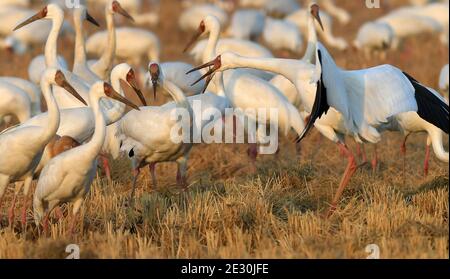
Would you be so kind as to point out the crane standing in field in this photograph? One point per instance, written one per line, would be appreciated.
(22, 147)
(68, 176)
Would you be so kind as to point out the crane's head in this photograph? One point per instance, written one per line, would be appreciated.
(315, 12)
(155, 76)
(56, 77)
(114, 7)
(209, 23)
(214, 66)
(50, 11)
(107, 90)
(82, 13)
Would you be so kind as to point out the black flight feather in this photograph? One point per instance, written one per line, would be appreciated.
(320, 105)
(430, 107)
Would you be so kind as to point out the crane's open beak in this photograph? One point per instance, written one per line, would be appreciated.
(197, 35)
(118, 9)
(315, 11)
(111, 93)
(131, 80)
(91, 19)
(61, 81)
(40, 15)
(214, 66)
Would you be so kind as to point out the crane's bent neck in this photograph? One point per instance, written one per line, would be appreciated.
(211, 46)
(51, 46)
(53, 113)
(176, 94)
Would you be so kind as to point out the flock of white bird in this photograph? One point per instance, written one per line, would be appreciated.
(87, 119)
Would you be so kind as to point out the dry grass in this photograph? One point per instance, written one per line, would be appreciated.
(275, 213)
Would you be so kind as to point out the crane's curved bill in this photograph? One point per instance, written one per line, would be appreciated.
(60, 79)
(154, 71)
(40, 15)
(91, 19)
(214, 66)
(193, 40)
(110, 92)
(315, 11)
(131, 79)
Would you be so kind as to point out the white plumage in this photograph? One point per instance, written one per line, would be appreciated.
(282, 35)
(191, 17)
(246, 24)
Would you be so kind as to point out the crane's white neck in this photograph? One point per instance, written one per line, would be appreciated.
(211, 46)
(220, 85)
(51, 46)
(106, 61)
(94, 146)
(80, 49)
(176, 94)
(53, 113)
(310, 53)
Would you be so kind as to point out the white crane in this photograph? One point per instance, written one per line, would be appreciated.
(246, 91)
(246, 24)
(68, 176)
(300, 19)
(133, 6)
(14, 102)
(102, 67)
(175, 72)
(242, 47)
(22, 147)
(280, 34)
(389, 30)
(146, 148)
(80, 67)
(30, 35)
(191, 17)
(33, 91)
(54, 13)
(145, 44)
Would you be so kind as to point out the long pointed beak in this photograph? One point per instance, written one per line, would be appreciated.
(207, 75)
(319, 20)
(92, 20)
(124, 13)
(155, 85)
(32, 19)
(132, 82)
(193, 40)
(66, 85)
(116, 96)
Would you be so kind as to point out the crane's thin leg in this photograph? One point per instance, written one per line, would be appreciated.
(403, 151)
(133, 191)
(106, 167)
(152, 168)
(426, 164)
(45, 223)
(26, 193)
(11, 211)
(181, 173)
(76, 209)
(349, 172)
(59, 213)
(375, 159)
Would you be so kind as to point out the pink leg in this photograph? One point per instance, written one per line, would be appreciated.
(12, 210)
(181, 180)
(152, 168)
(106, 167)
(403, 151)
(73, 224)
(45, 224)
(375, 159)
(24, 211)
(59, 213)
(426, 164)
(349, 172)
